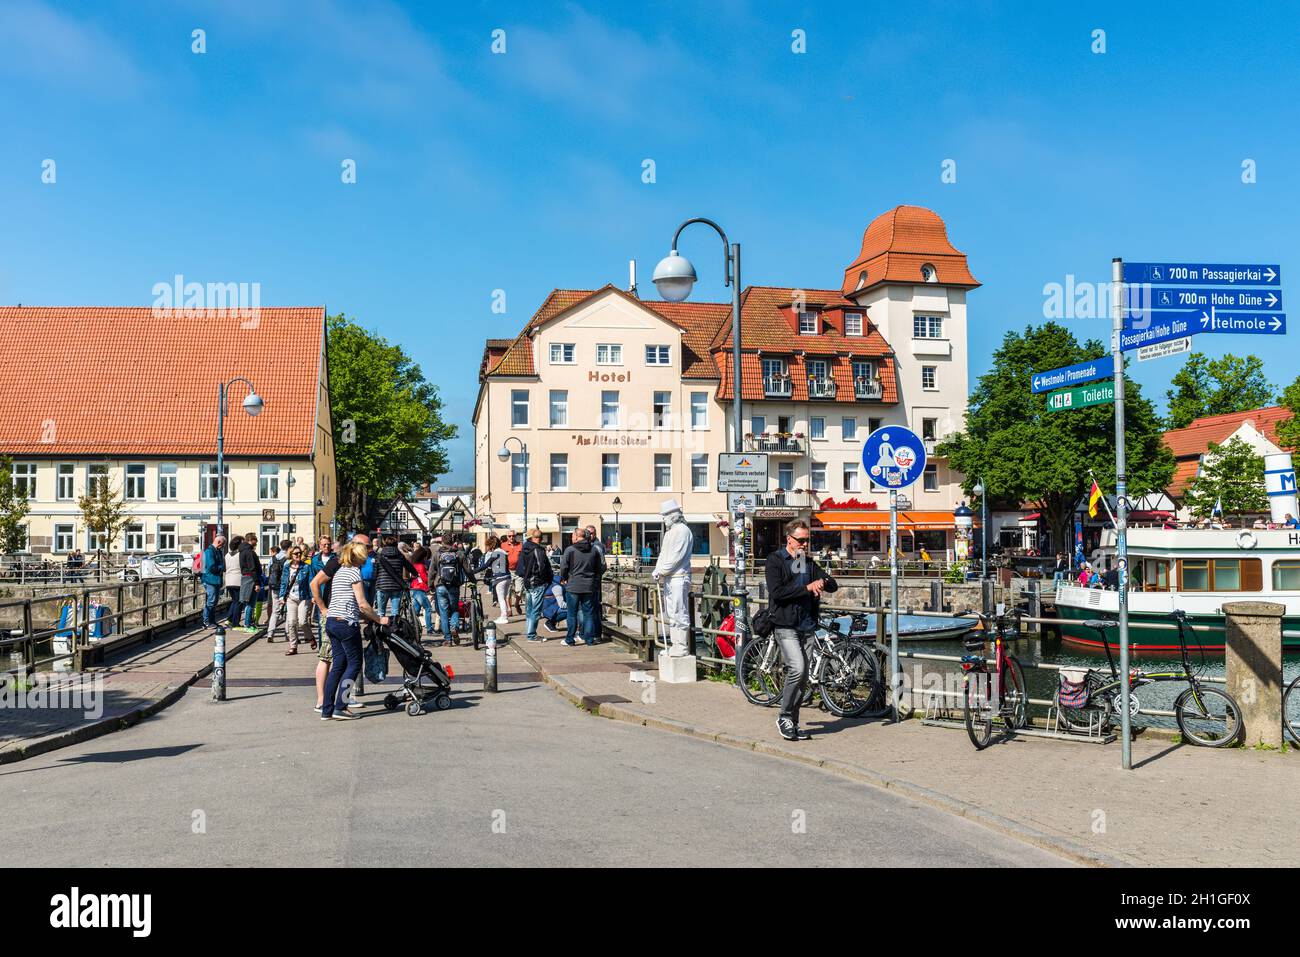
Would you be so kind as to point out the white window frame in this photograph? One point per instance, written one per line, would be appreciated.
(664, 419)
(700, 405)
(816, 430)
(27, 480)
(773, 368)
(171, 544)
(167, 490)
(608, 461)
(65, 470)
(851, 477)
(699, 471)
(270, 477)
(607, 421)
(516, 405)
(758, 423)
(818, 369)
(927, 327)
(809, 316)
(609, 353)
(863, 369)
(662, 461)
(135, 530)
(136, 480)
(95, 542)
(814, 469)
(560, 462)
(658, 355)
(559, 408)
(518, 467)
(853, 317)
(563, 353)
(71, 534)
(106, 475)
(934, 378)
(849, 433)
(785, 468)
(268, 538)
(208, 482)
(931, 472)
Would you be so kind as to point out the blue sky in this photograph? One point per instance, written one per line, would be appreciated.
(523, 171)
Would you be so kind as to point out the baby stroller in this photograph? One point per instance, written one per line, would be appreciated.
(422, 677)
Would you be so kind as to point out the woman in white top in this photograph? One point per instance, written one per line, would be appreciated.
(347, 607)
(497, 563)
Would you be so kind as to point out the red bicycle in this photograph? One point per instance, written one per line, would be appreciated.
(1000, 694)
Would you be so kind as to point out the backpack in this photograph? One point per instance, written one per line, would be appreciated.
(762, 624)
(368, 570)
(277, 569)
(449, 569)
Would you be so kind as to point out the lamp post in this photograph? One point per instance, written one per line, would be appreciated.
(979, 490)
(503, 454)
(618, 526)
(674, 277)
(289, 483)
(253, 406)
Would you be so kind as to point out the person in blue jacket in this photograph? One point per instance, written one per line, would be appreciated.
(295, 592)
(213, 575)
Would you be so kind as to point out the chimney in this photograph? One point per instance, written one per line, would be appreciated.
(631, 276)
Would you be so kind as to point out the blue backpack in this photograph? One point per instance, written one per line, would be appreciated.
(368, 571)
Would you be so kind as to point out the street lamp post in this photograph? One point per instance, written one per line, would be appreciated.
(503, 454)
(980, 490)
(289, 483)
(674, 277)
(618, 526)
(253, 406)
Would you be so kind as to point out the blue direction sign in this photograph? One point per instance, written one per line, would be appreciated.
(1243, 323)
(893, 456)
(1102, 368)
(1158, 327)
(1142, 299)
(1204, 274)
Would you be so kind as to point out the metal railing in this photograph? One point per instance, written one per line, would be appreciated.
(778, 385)
(36, 632)
(864, 388)
(821, 387)
(780, 445)
(53, 572)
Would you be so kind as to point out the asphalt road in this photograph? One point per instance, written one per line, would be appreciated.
(517, 778)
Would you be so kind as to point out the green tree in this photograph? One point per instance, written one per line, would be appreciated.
(1026, 454)
(13, 510)
(389, 433)
(1288, 431)
(1205, 386)
(1231, 473)
(104, 511)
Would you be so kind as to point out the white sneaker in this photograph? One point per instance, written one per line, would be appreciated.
(503, 620)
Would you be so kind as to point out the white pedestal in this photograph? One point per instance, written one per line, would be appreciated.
(677, 671)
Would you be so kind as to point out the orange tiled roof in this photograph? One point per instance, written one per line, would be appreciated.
(697, 320)
(898, 243)
(1193, 440)
(765, 328)
(123, 381)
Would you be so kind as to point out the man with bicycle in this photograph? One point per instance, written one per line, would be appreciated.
(795, 583)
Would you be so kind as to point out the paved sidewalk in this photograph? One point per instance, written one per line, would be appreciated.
(129, 687)
(1181, 806)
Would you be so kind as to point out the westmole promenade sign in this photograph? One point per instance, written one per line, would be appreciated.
(1102, 368)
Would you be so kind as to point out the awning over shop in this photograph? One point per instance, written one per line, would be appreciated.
(878, 519)
(547, 523)
(1029, 521)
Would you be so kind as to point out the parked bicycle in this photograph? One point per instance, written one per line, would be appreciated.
(1000, 694)
(844, 668)
(1207, 716)
(1291, 711)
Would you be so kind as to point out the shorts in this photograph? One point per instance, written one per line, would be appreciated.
(246, 587)
(324, 652)
(516, 584)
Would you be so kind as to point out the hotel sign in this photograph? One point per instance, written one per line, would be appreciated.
(742, 472)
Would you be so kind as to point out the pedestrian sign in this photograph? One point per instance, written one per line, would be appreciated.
(1082, 397)
(893, 456)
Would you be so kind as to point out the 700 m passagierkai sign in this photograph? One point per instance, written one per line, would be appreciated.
(1082, 397)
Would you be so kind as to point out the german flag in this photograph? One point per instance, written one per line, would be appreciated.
(1093, 498)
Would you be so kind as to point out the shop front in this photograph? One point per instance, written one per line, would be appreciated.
(858, 534)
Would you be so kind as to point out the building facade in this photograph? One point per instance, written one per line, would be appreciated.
(128, 397)
(622, 398)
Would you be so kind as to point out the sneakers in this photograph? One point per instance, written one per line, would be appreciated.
(503, 620)
(345, 715)
(317, 709)
(570, 642)
(789, 730)
(549, 627)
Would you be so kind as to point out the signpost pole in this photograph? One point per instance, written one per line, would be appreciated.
(1121, 512)
(894, 682)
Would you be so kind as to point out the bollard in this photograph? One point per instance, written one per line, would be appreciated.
(1035, 604)
(1253, 657)
(873, 594)
(490, 656)
(988, 595)
(936, 595)
(219, 665)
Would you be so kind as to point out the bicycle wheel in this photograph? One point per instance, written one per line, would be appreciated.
(850, 686)
(978, 709)
(1095, 714)
(1291, 712)
(1013, 698)
(475, 622)
(1208, 717)
(761, 686)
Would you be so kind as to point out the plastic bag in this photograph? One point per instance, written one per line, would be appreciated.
(375, 658)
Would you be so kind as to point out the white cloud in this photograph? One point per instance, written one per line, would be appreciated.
(38, 41)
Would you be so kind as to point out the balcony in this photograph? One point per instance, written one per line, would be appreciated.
(864, 388)
(774, 444)
(795, 499)
(778, 386)
(821, 387)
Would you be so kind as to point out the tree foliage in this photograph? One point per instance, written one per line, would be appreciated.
(13, 510)
(1288, 431)
(1205, 386)
(1231, 473)
(387, 418)
(1025, 453)
(104, 511)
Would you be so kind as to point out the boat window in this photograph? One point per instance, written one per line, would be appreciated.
(1286, 576)
(1155, 575)
(1194, 575)
(1227, 575)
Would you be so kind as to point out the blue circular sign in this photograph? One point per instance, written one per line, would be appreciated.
(893, 456)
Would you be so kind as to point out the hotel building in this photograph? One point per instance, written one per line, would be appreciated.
(619, 397)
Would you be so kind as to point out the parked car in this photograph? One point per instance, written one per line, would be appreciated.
(157, 565)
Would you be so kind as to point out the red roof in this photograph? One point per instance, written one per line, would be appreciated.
(898, 243)
(129, 381)
(1192, 441)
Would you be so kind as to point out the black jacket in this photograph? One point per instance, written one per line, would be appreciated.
(580, 568)
(534, 566)
(249, 563)
(785, 596)
(389, 565)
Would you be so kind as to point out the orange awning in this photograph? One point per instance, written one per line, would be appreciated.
(876, 519)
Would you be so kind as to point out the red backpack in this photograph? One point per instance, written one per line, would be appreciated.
(727, 642)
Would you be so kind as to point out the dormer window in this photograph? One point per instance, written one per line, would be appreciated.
(862, 279)
(928, 274)
(808, 324)
(853, 323)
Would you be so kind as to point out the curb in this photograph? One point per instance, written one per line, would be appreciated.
(915, 792)
(97, 729)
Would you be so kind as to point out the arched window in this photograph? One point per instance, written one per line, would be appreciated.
(862, 279)
(928, 274)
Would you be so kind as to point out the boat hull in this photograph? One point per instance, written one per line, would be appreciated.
(1147, 639)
